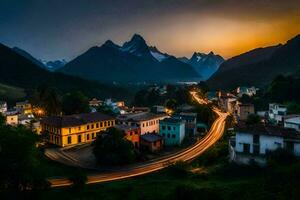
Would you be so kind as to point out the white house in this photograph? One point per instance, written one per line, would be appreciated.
(276, 112)
(3, 107)
(254, 142)
(292, 122)
(148, 122)
(250, 91)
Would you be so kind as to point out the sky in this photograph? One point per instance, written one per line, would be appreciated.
(56, 29)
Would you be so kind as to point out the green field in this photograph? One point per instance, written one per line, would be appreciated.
(11, 93)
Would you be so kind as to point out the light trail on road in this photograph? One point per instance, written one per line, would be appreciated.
(214, 134)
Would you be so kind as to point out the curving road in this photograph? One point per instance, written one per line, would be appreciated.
(188, 154)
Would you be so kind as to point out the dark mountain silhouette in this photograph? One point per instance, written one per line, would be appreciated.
(135, 61)
(259, 66)
(205, 64)
(17, 70)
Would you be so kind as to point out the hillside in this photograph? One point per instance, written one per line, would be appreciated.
(259, 66)
(18, 71)
(135, 61)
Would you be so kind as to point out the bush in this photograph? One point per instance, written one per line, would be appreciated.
(79, 178)
(280, 156)
(112, 148)
(178, 169)
(184, 192)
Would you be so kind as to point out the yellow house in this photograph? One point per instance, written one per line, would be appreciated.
(12, 119)
(24, 107)
(75, 129)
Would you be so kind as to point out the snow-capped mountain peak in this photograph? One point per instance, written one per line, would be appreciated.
(159, 56)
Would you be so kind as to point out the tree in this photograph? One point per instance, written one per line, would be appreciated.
(112, 148)
(253, 119)
(203, 87)
(171, 104)
(2, 120)
(48, 99)
(75, 103)
(20, 166)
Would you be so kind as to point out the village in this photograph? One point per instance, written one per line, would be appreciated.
(159, 130)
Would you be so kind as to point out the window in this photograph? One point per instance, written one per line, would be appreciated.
(97, 125)
(154, 143)
(174, 128)
(88, 127)
(79, 128)
(164, 134)
(112, 123)
(168, 135)
(147, 123)
(92, 126)
(246, 148)
(130, 133)
(69, 130)
(163, 127)
(69, 140)
(101, 124)
(105, 124)
(169, 128)
(79, 138)
(93, 135)
(136, 132)
(255, 139)
(173, 136)
(88, 136)
(143, 124)
(108, 123)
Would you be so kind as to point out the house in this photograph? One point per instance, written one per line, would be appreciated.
(12, 119)
(132, 133)
(25, 119)
(148, 122)
(152, 142)
(95, 102)
(24, 107)
(75, 129)
(276, 112)
(3, 107)
(140, 109)
(158, 109)
(253, 143)
(36, 127)
(249, 91)
(227, 101)
(244, 110)
(292, 121)
(190, 120)
(172, 130)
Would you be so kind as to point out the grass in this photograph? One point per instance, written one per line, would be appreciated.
(11, 93)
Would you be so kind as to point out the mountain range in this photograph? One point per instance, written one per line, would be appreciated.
(48, 65)
(134, 61)
(19, 71)
(204, 64)
(259, 66)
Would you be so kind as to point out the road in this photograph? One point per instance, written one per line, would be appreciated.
(214, 134)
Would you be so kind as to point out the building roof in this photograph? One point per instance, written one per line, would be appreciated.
(75, 120)
(261, 129)
(151, 137)
(143, 116)
(172, 120)
(125, 127)
(246, 105)
(293, 120)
